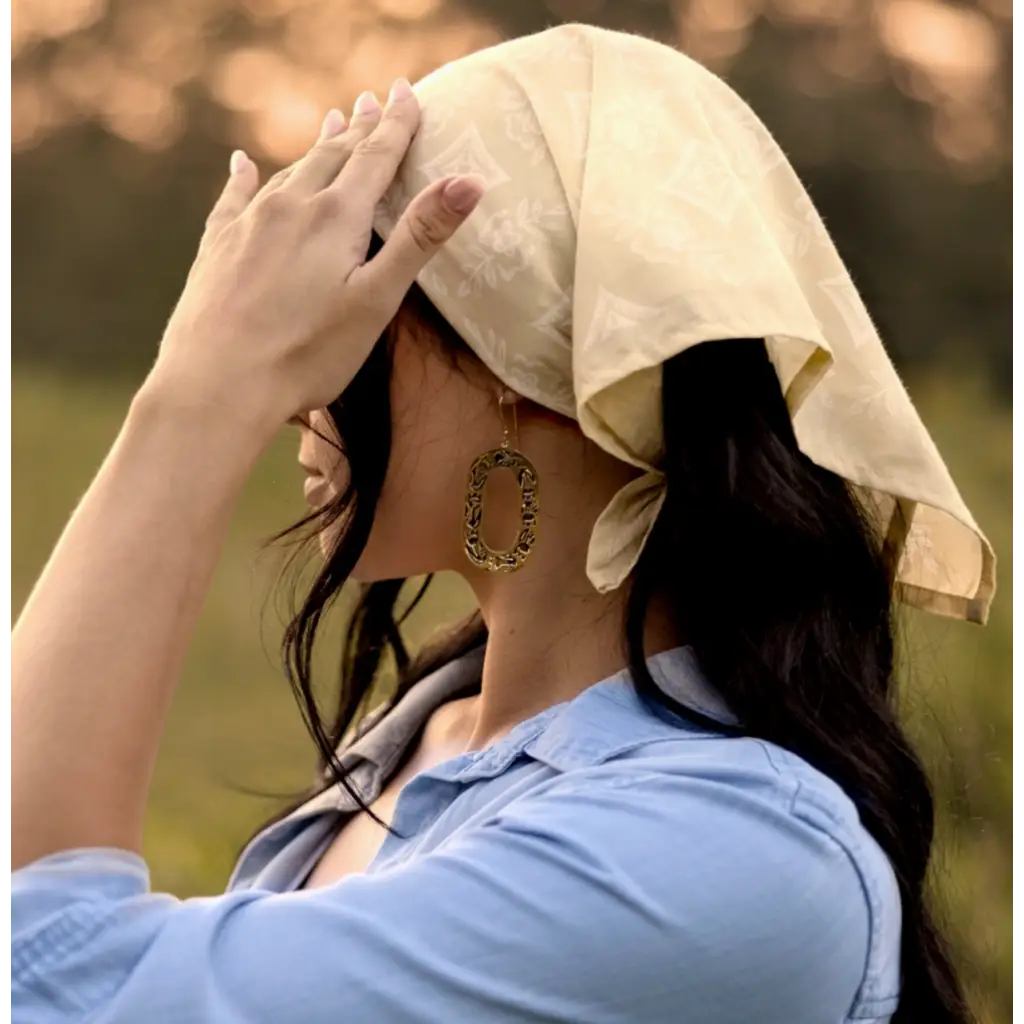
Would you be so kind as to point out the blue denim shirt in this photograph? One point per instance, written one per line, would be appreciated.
(601, 863)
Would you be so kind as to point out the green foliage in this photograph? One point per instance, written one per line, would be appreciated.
(957, 698)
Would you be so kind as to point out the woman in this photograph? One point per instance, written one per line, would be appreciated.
(659, 778)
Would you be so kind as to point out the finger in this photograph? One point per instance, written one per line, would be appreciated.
(334, 123)
(241, 186)
(428, 222)
(276, 180)
(374, 161)
(320, 166)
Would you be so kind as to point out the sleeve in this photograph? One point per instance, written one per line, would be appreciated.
(603, 899)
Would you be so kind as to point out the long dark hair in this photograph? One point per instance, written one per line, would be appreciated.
(777, 582)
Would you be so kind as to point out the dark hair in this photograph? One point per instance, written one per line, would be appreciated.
(777, 582)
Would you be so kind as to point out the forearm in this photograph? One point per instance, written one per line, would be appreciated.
(99, 645)
(282, 304)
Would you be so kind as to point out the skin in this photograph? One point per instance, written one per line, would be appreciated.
(550, 633)
(443, 417)
(278, 313)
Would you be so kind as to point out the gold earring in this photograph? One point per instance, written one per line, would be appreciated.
(505, 457)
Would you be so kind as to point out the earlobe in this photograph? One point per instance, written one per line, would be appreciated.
(506, 396)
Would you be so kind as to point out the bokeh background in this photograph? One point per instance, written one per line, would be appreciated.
(896, 114)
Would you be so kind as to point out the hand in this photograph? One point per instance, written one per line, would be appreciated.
(280, 310)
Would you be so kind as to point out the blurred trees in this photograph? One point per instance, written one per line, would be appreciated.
(896, 114)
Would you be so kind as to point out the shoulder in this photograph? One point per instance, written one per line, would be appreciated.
(722, 803)
(756, 861)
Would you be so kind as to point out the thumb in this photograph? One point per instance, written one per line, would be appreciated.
(427, 223)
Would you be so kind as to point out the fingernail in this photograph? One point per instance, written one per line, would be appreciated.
(366, 103)
(333, 124)
(238, 161)
(400, 90)
(461, 195)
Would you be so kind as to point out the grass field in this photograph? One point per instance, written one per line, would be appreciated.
(235, 730)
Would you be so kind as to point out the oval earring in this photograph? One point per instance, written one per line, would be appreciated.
(506, 457)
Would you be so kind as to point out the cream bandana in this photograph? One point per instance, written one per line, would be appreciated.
(637, 207)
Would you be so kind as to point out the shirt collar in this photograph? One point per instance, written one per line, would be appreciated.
(611, 717)
(606, 719)
(387, 731)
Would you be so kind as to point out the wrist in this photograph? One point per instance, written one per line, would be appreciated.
(220, 435)
(192, 407)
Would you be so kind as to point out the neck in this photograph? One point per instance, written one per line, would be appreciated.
(551, 635)
(542, 652)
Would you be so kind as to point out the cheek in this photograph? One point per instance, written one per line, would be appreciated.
(420, 509)
(436, 426)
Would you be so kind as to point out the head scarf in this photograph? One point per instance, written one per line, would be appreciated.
(636, 207)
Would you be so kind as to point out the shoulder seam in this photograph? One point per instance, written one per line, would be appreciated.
(866, 1003)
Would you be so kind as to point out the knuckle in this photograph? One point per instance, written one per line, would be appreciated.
(278, 179)
(215, 220)
(330, 204)
(275, 206)
(377, 142)
(427, 231)
(342, 143)
(338, 148)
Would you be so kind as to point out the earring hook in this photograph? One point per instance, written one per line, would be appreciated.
(503, 398)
